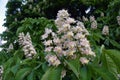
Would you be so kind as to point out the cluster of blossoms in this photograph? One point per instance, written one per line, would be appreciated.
(93, 22)
(69, 39)
(118, 19)
(25, 42)
(1, 72)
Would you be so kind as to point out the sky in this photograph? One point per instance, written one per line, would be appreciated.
(2, 16)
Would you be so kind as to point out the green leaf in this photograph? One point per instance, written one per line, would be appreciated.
(20, 29)
(22, 73)
(14, 69)
(6, 74)
(74, 66)
(115, 44)
(52, 74)
(30, 77)
(115, 56)
(8, 63)
(103, 72)
(83, 73)
(109, 64)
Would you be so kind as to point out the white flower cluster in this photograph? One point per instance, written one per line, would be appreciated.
(93, 22)
(69, 39)
(1, 72)
(25, 42)
(118, 19)
(105, 30)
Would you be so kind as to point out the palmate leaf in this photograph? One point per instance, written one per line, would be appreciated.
(52, 74)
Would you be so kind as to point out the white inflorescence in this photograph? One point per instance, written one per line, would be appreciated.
(69, 38)
(105, 30)
(1, 72)
(93, 22)
(25, 42)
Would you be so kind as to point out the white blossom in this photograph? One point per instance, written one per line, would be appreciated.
(70, 34)
(47, 43)
(48, 31)
(48, 49)
(56, 40)
(70, 20)
(58, 49)
(79, 36)
(44, 36)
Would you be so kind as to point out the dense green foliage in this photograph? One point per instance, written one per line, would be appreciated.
(34, 16)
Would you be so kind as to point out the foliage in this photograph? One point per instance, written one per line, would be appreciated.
(21, 17)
